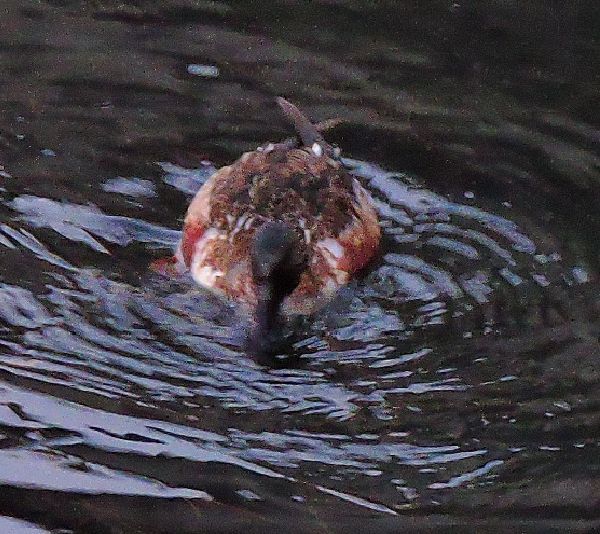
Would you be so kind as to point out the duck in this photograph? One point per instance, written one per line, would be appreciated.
(280, 230)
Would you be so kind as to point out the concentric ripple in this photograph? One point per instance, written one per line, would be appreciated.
(453, 387)
(102, 366)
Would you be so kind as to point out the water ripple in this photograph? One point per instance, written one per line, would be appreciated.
(102, 364)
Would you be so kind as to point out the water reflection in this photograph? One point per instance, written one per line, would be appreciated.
(376, 397)
(454, 385)
(170, 355)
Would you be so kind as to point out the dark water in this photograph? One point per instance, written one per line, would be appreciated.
(456, 387)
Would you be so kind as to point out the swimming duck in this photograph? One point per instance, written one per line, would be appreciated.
(281, 229)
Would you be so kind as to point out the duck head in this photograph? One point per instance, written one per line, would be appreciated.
(278, 258)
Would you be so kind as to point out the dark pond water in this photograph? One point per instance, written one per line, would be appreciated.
(455, 387)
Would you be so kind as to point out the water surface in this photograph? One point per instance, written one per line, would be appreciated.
(456, 385)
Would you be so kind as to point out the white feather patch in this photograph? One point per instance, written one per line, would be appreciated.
(341, 277)
(307, 236)
(207, 276)
(332, 251)
(203, 274)
(317, 150)
(240, 222)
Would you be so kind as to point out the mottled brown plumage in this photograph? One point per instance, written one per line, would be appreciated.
(331, 227)
(288, 185)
